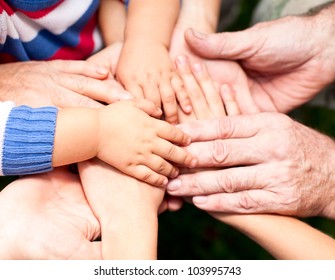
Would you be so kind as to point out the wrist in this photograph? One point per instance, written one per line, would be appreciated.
(76, 136)
(143, 42)
(199, 15)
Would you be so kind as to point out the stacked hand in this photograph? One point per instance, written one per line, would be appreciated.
(47, 217)
(282, 73)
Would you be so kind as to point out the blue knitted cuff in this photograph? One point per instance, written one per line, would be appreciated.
(29, 140)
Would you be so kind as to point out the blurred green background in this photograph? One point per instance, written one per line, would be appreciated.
(193, 234)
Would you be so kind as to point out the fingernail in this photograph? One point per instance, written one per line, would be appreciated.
(102, 70)
(124, 95)
(165, 181)
(159, 111)
(175, 173)
(181, 59)
(197, 67)
(198, 34)
(200, 199)
(173, 185)
(188, 109)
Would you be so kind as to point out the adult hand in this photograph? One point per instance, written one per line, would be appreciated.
(266, 163)
(58, 83)
(221, 71)
(47, 217)
(283, 74)
(108, 57)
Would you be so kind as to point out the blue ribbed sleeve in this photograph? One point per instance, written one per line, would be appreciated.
(28, 140)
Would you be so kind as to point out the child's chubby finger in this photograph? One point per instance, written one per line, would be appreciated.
(148, 107)
(145, 174)
(209, 89)
(227, 95)
(182, 97)
(172, 134)
(191, 86)
(175, 154)
(134, 89)
(169, 102)
(151, 92)
(161, 166)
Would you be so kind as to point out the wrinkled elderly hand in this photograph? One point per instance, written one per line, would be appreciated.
(47, 217)
(57, 83)
(282, 73)
(266, 163)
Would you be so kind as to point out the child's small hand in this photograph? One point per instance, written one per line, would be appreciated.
(147, 72)
(203, 93)
(139, 145)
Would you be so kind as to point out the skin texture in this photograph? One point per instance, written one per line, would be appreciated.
(126, 208)
(109, 134)
(282, 74)
(147, 71)
(46, 216)
(283, 237)
(123, 204)
(58, 83)
(266, 163)
(272, 166)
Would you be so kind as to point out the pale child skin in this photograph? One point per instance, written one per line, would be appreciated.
(109, 134)
(144, 67)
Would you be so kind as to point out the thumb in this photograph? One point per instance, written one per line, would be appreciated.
(226, 45)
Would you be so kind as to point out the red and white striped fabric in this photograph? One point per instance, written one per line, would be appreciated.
(48, 29)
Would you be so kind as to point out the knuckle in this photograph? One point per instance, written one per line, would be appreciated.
(169, 98)
(225, 128)
(163, 167)
(178, 85)
(195, 94)
(81, 84)
(289, 201)
(219, 151)
(245, 201)
(145, 176)
(171, 118)
(174, 132)
(157, 181)
(172, 151)
(225, 183)
(192, 185)
(149, 77)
